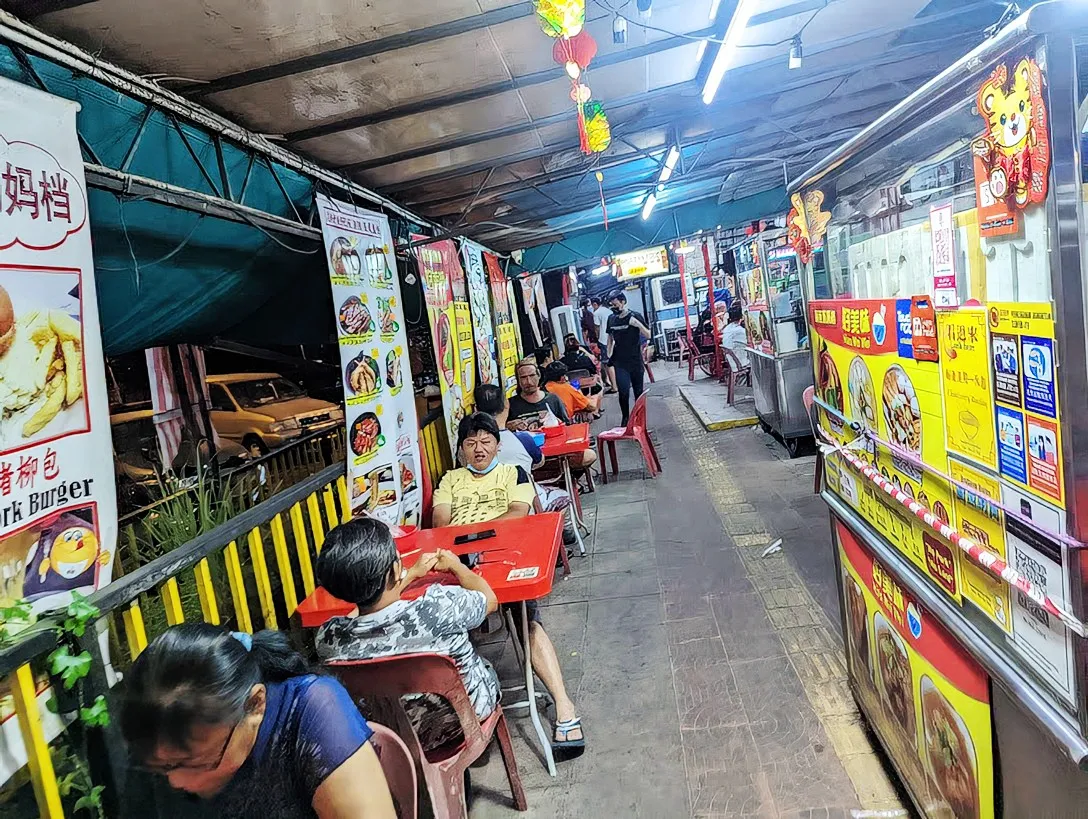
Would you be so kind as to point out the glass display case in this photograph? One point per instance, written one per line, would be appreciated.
(946, 322)
(773, 304)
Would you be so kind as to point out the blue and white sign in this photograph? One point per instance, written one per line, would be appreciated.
(1011, 455)
(904, 334)
(1038, 363)
(914, 621)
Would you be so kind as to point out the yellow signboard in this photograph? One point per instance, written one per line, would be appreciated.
(466, 353)
(648, 262)
(508, 356)
(966, 385)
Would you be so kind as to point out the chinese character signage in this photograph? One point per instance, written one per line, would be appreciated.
(944, 256)
(1026, 392)
(58, 503)
(966, 385)
(506, 330)
(482, 329)
(648, 262)
(978, 516)
(922, 692)
(379, 403)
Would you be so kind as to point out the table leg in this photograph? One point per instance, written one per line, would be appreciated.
(577, 532)
(576, 498)
(530, 690)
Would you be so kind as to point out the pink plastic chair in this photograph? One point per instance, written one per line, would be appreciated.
(636, 430)
(399, 770)
(733, 373)
(809, 397)
(383, 681)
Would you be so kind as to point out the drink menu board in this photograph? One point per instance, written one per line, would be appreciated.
(382, 429)
(58, 504)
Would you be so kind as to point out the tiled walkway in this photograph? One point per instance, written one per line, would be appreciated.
(707, 670)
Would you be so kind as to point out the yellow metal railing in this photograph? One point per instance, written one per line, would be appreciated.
(209, 579)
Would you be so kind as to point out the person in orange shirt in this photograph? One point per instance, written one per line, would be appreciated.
(577, 404)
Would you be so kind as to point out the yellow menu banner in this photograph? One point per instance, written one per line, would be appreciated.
(967, 386)
(508, 356)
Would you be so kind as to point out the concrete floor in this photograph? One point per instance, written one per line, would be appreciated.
(708, 674)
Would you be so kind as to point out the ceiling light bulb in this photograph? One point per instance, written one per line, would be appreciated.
(796, 53)
(661, 186)
(648, 206)
(574, 71)
(619, 30)
(714, 8)
(723, 60)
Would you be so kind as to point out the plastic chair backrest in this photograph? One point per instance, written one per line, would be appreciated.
(399, 769)
(403, 674)
(637, 422)
(731, 359)
(809, 397)
(426, 488)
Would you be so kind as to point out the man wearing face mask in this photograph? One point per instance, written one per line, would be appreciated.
(626, 330)
(488, 490)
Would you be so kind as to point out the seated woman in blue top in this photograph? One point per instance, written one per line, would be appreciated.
(222, 724)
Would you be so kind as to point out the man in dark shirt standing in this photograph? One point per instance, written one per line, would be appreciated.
(626, 330)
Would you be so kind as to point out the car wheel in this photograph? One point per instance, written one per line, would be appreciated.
(255, 445)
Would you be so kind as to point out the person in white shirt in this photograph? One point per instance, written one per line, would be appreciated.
(734, 336)
(600, 316)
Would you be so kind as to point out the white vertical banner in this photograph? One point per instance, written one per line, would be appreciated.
(942, 237)
(58, 502)
(380, 412)
(483, 334)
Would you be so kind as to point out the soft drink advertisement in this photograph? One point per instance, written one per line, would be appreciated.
(1025, 377)
(923, 694)
(382, 431)
(58, 503)
(863, 374)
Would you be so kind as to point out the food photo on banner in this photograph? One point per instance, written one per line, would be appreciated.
(434, 264)
(382, 429)
(483, 333)
(867, 368)
(58, 503)
(506, 330)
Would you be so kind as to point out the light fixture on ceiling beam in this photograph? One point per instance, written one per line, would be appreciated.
(727, 51)
(796, 53)
(670, 164)
(648, 205)
(619, 30)
(714, 8)
(702, 50)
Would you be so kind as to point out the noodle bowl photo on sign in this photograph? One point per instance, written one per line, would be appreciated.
(896, 682)
(949, 753)
(901, 412)
(862, 395)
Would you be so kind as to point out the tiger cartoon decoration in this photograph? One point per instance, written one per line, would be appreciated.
(1016, 147)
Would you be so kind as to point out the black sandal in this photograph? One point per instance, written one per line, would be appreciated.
(568, 748)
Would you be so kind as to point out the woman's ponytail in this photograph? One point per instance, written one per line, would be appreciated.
(276, 658)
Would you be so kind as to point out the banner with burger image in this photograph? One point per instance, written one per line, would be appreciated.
(58, 505)
(871, 371)
(438, 265)
(924, 695)
(382, 432)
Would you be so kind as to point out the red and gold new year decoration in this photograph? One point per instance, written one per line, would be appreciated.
(561, 18)
(1015, 151)
(806, 224)
(574, 53)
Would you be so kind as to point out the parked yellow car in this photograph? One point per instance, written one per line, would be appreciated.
(263, 411)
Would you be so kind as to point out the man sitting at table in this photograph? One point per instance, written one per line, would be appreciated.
(579, 407)
(359, 564)
(532, 405)
(485, 489)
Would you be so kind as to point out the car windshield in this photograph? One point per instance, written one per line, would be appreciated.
(134, 440)
(263, 391)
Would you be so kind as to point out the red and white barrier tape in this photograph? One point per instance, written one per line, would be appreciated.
(983, 557)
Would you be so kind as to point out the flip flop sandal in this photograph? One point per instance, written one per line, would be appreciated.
(568, 748)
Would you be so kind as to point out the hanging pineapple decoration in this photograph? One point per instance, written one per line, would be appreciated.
(597, 135)
(561, 18)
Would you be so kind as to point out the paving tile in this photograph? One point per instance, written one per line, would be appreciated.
(707, 697)
(698, 653)
(747, 632)
(621, 561)
(681, 631)
(723, 772)
(766, 684)
(682, 604)
(572, 589)
(639, 581)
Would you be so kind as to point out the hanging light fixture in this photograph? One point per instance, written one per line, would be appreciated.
(796, 53)
(670, 164)
(648, 206)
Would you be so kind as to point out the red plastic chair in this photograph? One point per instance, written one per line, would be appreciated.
(733, 373)
(399, 770)
(383, 681)
(636, 430)
(694, 357)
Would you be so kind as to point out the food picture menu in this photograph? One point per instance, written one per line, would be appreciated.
(482, 330)
(382, 434)
(58, 504)
(506, 329)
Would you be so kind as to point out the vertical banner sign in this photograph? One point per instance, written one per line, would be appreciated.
(967, 386)
(923, 693)
(505, 329)
(462, 322)
(380, 413)
(482, 329)
(58, 504)
(433, 264)
(1029, 450)
(944, 257)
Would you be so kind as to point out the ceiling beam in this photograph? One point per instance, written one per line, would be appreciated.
(466, 140)
(952, 43)
(792, 10)
(490, 90)
(361, 51)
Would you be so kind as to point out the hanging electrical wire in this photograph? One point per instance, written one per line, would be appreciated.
(145, 265)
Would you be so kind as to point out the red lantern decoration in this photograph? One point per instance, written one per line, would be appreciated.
(575, 53)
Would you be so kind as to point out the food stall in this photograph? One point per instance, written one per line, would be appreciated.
(769, 286)
(946, 319)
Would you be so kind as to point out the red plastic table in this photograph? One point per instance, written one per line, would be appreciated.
(574, 442)
(518, 563)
